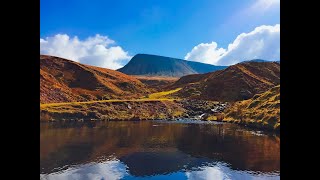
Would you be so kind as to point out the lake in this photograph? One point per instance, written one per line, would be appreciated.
(185, 149)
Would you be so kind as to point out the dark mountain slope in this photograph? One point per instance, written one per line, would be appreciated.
(153, 65)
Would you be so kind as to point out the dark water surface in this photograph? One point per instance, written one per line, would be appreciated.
(156, 150)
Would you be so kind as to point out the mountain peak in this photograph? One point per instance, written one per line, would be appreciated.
(155, 65)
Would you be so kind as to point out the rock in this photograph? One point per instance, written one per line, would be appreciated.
(203, 116)
(186, 116)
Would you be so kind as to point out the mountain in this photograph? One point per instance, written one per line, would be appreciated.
(63, 80)
(237, 82)
(156, 83)
(259, 60)
(261, 110)
(255, 60)
(153, 65)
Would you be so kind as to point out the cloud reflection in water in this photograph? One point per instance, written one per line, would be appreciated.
(109, 170)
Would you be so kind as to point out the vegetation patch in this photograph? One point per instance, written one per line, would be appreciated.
(115, 110)
(261, 111)
(163, 94)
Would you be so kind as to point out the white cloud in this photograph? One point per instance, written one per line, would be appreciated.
(206, 52)
(222, 171)
(95, 50)
(261, 43)
(207, 173)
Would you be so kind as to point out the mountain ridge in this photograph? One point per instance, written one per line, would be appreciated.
(155, 65)
(237, 82)
(259, 60)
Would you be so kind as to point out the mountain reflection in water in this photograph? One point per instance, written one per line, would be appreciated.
(156, 149)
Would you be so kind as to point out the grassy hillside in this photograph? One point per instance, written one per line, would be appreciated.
(62, 80)
(157, 83)
(73, 91)
(237, 82)
(262, 110)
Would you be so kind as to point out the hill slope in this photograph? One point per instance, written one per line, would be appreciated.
(157, 83)
(237, 82)
(262, 110)
(62, 80)
(153, 65)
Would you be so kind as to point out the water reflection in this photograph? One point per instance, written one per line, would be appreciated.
(169, 150)
(112, 169)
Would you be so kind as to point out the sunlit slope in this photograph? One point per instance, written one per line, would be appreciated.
(62, 80)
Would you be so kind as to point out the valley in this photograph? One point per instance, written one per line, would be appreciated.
(78, 92)
(157, 90)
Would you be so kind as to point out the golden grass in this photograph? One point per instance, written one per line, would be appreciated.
(244, 70)
(159, 96)
(140, 109)
(103, 101)
(162, 94)
(154, 106)
(60, 83)
(261, 110)
(217, 117)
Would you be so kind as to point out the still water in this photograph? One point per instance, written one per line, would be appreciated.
(157, 150)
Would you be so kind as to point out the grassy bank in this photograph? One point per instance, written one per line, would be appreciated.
(261, 112)
(112, 110)
(159, 96)
(154, 106)
(43, 106)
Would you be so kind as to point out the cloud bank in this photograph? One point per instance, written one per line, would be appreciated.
(261, 43)
(96, 51)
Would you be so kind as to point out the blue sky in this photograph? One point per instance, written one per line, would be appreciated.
(162, 27)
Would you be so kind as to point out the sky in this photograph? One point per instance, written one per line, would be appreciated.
(109, 33)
